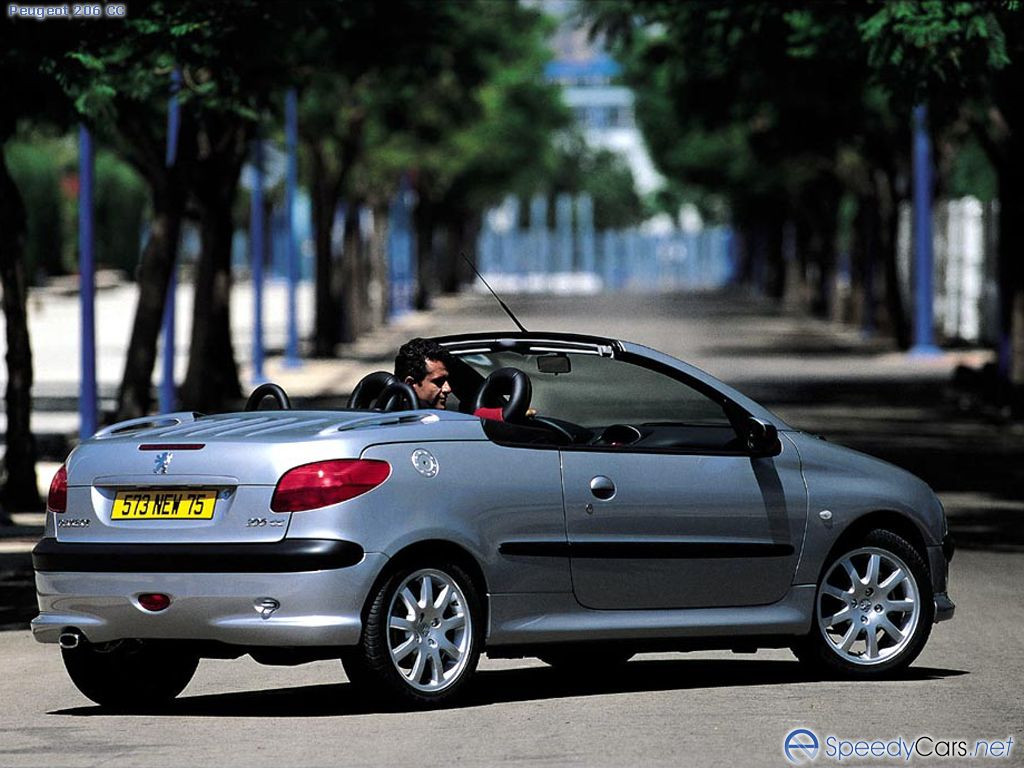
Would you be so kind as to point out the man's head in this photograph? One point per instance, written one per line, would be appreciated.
(423, 365)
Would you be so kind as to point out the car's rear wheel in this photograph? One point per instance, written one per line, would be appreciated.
(873, 610)
(421, 638)
(129, 675)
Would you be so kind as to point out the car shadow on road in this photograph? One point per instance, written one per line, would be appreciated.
(516, 685)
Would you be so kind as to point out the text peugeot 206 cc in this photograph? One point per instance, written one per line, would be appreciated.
(616, 500)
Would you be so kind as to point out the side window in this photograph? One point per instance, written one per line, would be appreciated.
(631, 407)
(601, 391)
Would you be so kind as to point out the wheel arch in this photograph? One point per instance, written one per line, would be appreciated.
(432, 550)
(887, 519)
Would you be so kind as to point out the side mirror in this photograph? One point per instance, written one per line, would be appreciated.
(762, 438)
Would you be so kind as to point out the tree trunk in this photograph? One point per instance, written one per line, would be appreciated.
(155, 268)
(899, 323)
(458, 240)
(212, 378)
(864, 256)
(19, 483)
(426, 272)
(348, 274)
(821, 209)
(380, 273)
(324, 203)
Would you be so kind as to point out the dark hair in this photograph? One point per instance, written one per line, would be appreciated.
(413, 355)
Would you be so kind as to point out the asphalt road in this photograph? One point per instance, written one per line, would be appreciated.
(665, 709)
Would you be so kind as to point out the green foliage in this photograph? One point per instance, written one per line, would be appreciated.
(971, 173)
(934, 49)
(46, 172)
(120, 209)
(740, 101)
(605, 176)
(482, 126)
(37, 174)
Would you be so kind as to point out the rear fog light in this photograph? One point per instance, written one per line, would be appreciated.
(154, 601)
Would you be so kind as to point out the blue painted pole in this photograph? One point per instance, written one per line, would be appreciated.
(256, 254)
(86, 285)
(167, 399)
(291, 132)
(166, 394)
(585, 224)
(924, 344)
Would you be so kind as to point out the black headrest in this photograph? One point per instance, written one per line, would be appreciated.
(503, 383)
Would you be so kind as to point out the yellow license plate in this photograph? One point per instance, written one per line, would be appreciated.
(163, 504)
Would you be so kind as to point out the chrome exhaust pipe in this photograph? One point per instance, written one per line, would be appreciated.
(69, 640)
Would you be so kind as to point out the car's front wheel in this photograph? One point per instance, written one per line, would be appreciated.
(421, 638)
(129, 675)
(873, 609)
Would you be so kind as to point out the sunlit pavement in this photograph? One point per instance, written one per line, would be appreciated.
(715, 709)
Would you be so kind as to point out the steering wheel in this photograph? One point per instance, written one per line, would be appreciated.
(554, 426)
(268, 389)
(396, 396)
(505, 382)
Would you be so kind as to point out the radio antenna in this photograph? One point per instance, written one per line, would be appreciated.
(495, 295)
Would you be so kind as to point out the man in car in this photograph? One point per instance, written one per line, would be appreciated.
(423, 365)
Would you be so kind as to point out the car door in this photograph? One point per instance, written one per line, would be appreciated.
(667, 508)
(678, 530)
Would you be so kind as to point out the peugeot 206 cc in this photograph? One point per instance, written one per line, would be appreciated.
(582, 499)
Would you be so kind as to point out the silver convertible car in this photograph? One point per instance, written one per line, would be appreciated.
(615, 500)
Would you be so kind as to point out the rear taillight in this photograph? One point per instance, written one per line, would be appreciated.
(323, 483)
(57, 498)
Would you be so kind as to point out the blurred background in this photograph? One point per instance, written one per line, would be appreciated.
(196, 197)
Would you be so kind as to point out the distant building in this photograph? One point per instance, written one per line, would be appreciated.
(603, 110)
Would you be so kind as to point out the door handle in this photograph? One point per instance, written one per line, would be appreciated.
(602, 487)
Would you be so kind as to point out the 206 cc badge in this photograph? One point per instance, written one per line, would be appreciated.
(162, 462)
(424, 462)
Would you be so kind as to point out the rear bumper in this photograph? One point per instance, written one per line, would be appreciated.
(316, 607)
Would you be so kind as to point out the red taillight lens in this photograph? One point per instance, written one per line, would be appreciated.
(327, 482)
(57, 498)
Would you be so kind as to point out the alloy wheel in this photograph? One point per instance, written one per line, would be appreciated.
(429, 630)
(868, 606)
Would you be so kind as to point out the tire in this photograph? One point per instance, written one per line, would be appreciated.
(129, 675)
(421, 637)
(873, 610)
(580, 660)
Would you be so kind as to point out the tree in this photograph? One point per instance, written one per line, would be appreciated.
(447, 93)
(234, 60)
(489, 132)
(769, 107)
(968, 58)
(26, 92)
